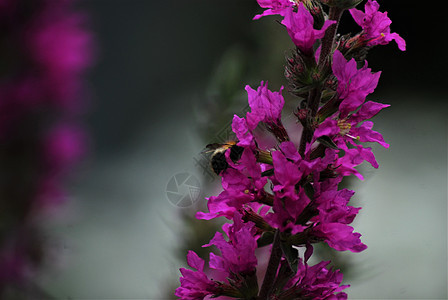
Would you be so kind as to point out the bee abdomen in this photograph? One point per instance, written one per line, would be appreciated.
(219, 162)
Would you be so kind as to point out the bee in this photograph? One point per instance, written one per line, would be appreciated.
(218, 160)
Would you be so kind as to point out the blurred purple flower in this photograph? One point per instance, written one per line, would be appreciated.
(61, 50)
(64, 145)
(48, 50)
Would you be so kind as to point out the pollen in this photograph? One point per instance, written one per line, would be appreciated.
(344, 126)
(246, 191)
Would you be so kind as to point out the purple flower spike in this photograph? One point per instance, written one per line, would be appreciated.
(290, 151)
(376, 26)
(283, 196)
(300, 28)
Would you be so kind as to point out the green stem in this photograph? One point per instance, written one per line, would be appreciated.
(315, 94)
(271, 271)
(308, 130)
(328, 40)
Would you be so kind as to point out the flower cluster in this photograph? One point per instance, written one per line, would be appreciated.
(45, 49)
(286, 196)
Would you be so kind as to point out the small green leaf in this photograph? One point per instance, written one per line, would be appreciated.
(291, 255)
(328, 142)
(309, 190)
(266, 239)
(269, 172)
(298, 239)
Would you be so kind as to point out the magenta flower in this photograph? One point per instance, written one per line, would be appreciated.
(266, 106)
(376, 26)
(353, 157)
(274, 7)
(238, 190)
(243, 132)
(290, 151)
(236, 262)
(300, 28)
(339, 237)
(195, 284)
(285, 212)
(242, 182)
(333, 203)
(286, 175)
(238, 253)
(288, 203)
(289, 200)
(248, 165)
(346, 131)
(353, 85)
(289, 168)
(316, 282)
(241, 186)
(334, 217)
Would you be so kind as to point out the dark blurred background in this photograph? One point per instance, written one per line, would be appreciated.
(162, 65)
(151, 51)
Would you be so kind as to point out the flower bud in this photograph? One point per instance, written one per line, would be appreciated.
(302, 115)
(353, 47)
(301, 73)
(316, 11)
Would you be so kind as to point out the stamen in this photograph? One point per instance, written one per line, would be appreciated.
(344, 126)
(352, 137)
(377, 38)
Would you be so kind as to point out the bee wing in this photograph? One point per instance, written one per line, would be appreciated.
(211, 148)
